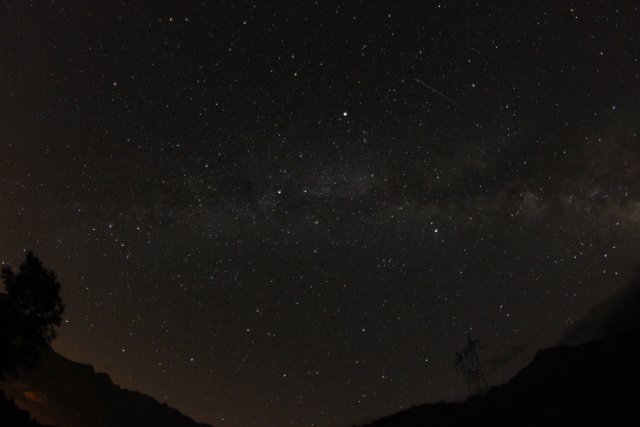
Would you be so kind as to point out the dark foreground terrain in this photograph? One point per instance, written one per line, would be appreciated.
(11, 415)
(63, 393)
(596, 383)
(592, 384)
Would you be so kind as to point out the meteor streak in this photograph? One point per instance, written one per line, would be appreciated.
(438, 92)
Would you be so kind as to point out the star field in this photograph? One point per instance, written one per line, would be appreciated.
(259, 215)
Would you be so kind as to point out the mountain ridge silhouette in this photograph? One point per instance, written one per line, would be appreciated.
(61, 392)
(593, 383)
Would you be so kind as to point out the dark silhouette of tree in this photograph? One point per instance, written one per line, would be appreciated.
(30, 310)
(9, 333)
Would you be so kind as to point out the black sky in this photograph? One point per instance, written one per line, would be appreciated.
(260, 216)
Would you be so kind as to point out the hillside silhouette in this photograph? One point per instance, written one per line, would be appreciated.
(64, 393)
(617, 315)
(11, 415)
(593, 382)
(53, 389)
(590, 379)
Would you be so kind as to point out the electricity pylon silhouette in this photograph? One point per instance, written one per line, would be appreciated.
(468, 362)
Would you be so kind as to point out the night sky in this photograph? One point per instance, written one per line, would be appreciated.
(277, 213)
